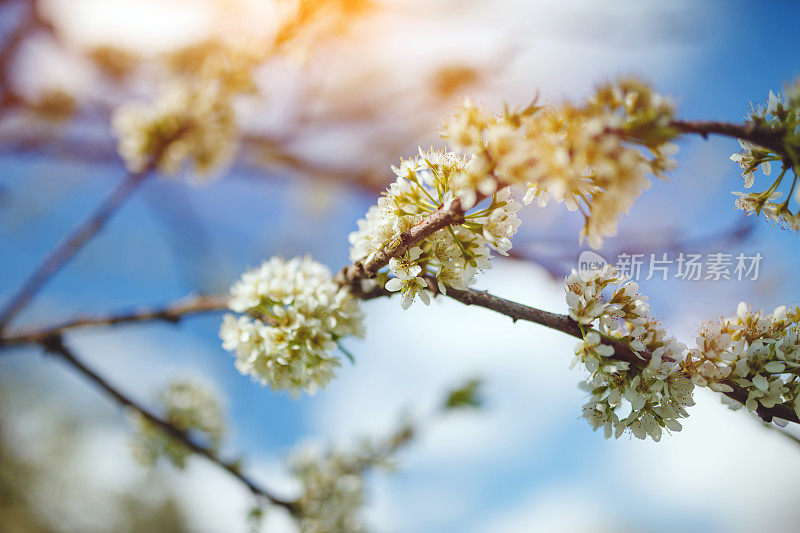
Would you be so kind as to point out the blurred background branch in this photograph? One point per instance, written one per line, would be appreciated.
(56, 346)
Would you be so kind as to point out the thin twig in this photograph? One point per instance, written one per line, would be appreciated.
(91, 226)
(55, 345)
(171, 312)
(69, 246)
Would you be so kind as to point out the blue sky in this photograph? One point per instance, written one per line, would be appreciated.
(527, 462)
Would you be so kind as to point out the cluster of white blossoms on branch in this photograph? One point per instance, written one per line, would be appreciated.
(187, 123)
(293, 316)
(333, 491)
(332, 481)
(594, 157)
(781, 113)
(757, 351)
(188, 405)
(642, 393)
(452, 255)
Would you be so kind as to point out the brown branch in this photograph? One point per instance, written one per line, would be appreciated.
(770, 138)
(450, 213)
(172, 312)
(514, 310)
(56, 346)
(622, 351)
(453, 213)
(65, 250)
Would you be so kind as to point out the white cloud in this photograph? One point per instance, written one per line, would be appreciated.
(724, 464)
(568, 508)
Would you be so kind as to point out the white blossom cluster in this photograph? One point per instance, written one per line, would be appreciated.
(755, 350)
(651, 387)
(292, 316)
(189, 406)
(333, 491)
(782, 113)
(453, 255)
(187, 123)
(332, 481)
(594, 157)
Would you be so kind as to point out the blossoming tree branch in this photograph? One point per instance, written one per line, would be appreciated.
(436, 226)
(431, 234)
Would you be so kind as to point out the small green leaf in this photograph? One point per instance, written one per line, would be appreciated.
(466, 396)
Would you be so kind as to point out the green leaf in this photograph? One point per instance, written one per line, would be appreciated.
(466, 396)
